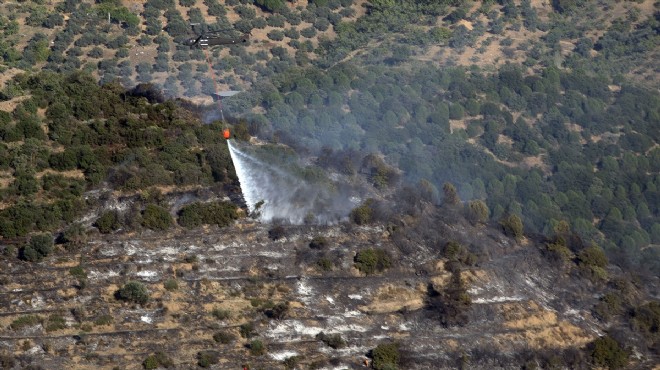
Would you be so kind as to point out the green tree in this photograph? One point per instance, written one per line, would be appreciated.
(512, 226)
(477, 211)
(451, 195)
(40, 246)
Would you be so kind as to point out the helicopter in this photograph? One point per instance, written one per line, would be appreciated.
(213, 38)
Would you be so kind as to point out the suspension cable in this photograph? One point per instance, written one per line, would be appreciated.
(215, 85)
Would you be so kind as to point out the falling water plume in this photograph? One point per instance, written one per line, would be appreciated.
(282, 191)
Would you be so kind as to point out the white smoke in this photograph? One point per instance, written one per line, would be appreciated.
(285, 196)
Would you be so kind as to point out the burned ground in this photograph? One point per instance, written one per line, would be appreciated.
(228, 279)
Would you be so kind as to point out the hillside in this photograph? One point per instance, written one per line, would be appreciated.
(500, 158)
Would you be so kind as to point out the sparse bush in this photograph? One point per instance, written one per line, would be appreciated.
(363, 214)
(371, 261)
(158, 359)
(55, 322)
(223, 337)
(247, 330)
(455, 252)
(78, 272)
(257, 347)
(290, 363)
(134, 292)
(325, 264)
(332, 340)
(278, 311)
(221, 314)
(610, 304)
(103, 320)
(646, 319)
(171, 285)
(207, 358)
(6, 361)
(25, 321)
(385, 356)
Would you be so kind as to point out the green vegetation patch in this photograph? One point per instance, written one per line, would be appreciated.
(25, 321)
(155, 217)
(219, 213)
(385, 356)
(134, 292)
(371, 261)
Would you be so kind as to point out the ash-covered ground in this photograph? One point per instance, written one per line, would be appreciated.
(235, 277)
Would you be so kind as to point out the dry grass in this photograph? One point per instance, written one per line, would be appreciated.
(540, 328)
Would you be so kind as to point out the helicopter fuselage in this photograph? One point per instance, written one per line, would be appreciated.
(205, 41)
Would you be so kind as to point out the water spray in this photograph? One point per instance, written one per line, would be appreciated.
(275, 192)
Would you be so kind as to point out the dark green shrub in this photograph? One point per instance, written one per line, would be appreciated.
(221, 314)
(385, 356)
(371, 260)
(512, 226)
(607, 352)
(451, 195)
(257, 347)
(158, 359)
(55, 322)
(134, 292)
(593, 261)
(646, 319)
(156, 218)
(363, 214)
(332, 340)
(247, 330)
(108, 222)
(171, 285)
(78, 272)
(40, 246)
(216, 213)
(207, 358)
(477, 211)
(103, 320)
(276, 35)
(291, 363)
(278, 311)
(325, 264)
